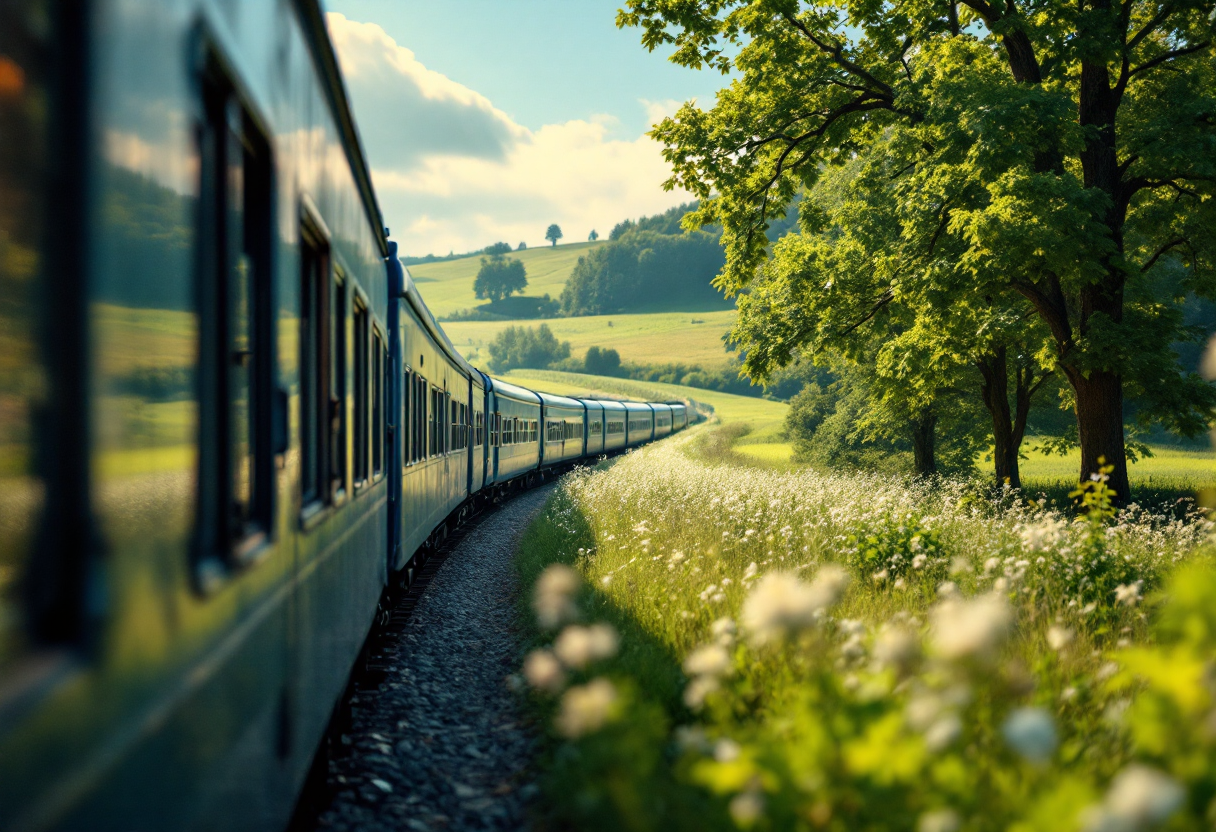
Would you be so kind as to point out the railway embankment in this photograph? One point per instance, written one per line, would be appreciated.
(433, 737)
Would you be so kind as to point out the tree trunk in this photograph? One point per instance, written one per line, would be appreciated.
(922, 431)
(994, 390)
(1099, 409)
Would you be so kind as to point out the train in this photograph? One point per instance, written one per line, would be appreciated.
(228, 421)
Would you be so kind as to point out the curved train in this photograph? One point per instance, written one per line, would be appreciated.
(227, 419)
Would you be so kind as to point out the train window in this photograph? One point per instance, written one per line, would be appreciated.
(420, 392)
(495, 425)
(362, 349)
(337, 389)
(314, 438)
(479, 418)
(236, 462)
(377, 428)
(407, 426)
(449, 416)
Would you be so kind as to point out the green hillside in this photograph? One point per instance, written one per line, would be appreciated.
(658, 338)
(447, 287)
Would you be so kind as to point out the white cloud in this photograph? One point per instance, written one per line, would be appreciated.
(656, 111)
(455, 173)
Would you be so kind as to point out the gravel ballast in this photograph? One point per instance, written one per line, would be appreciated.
(443, 744)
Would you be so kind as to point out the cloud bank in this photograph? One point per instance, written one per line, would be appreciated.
(454, 173)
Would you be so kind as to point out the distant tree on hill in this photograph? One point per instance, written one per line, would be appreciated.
(498, 248)
(593, 236)
(553, 233)
(521, 246)
(535, 349)
(499, 277)
(602, 362)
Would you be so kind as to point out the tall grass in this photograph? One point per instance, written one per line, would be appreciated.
(800, 650)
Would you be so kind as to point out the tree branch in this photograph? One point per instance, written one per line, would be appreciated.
(1171, 244)
(1169, 56)
(886, 298)
(836, 52)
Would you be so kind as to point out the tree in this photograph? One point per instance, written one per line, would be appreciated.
(499, 277)
(498, 248)
(1062, 150)
(535, 349)
(593, 236)
(553, 233)
(602, 362)
(521, 247)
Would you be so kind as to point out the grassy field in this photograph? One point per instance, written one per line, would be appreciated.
(658, 338)
(447, 287)
(765, 417)
(720, 647)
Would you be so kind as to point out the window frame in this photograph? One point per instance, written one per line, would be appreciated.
(361, 468)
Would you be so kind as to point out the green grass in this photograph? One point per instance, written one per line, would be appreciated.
(764, 417)
(447, 287)
(867, 700)
(692, 338)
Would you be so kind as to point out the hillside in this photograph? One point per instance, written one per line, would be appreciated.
(447, 287)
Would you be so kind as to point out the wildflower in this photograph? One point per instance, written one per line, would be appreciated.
(944, 732)
(780, 604)
(692, 738)
(939, 820)
(746, 808)
(960, 565)
(723, 631)
(544, 672)
(896, 648)
(708, 660)
(578, 646)
(606, 580)
(991, 564)
(751, 571)
(1043, 535)
(948, 589)
(1058, 637)
(727, 750)
(553, 600)
(699, 688)
(1031, 733)
(1128, 594)
(970, 628)
(1139, 796)
(919, 561)
(586, 708)
(881, 575)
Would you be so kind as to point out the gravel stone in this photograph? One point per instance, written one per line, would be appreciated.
(444, 744)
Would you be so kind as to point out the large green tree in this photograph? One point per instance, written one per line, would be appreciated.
(1065, 151)
(499, 277)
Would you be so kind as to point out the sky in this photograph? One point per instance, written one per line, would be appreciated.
(487, 120)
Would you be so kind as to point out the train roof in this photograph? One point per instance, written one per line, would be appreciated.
(317, 35)
(636, 406)
(560, 401)
(611, 404)
(507, 389)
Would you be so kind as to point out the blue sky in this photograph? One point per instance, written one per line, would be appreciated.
(489, 119)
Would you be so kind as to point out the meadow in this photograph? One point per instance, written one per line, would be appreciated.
(447, 287)
(726, 646)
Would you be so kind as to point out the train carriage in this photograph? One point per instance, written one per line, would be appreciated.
(565, 427)
(640, 423)
(515, 415)
(616, 426)
(662, 419)
(594, 441)
(679, 416)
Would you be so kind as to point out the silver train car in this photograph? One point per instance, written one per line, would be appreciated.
(228, 422)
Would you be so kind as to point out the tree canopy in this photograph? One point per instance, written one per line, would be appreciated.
(499, 277)
(553, 233)
(593, 236)
(534, 349)
(1050, 161)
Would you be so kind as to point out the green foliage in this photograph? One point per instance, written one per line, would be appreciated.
(982, 174)
(498, 248)
(593, 236)
(669, 222)
(500, 277)
(553, 233)
(645, 269)
(518, 346)
(601, 362)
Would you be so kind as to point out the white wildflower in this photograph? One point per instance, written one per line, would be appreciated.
(750, 571)
(1128, 594)
(881, 575)
(696, 691)
(727, 750)
(1138, 797)
(919, 561)
(544, 672)
(746, 808)
(606, 580)
(1059, 637)
(553, 600)
(948, 589)
(970, 628)
(781, 605)
(708, 660)
(944, 732)
(1031, 732)
(991, 564)
(1045, 534)
(578, 646)
(723, 631)
(896, 648)
(586, 708)
(960, 565)
(939, 820)
(691, 738)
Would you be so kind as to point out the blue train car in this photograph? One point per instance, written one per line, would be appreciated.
(515, 419)
(616, 426)
(594, 440)
(640, 426)
(565, 422)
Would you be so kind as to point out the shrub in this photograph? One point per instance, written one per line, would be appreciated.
(519, 347)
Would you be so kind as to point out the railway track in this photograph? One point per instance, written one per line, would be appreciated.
(428, 735)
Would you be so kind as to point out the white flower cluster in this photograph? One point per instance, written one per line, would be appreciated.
(1138, 798)
(709, 664)
(781, 605)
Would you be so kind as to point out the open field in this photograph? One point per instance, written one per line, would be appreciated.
(447, 287)
(764, 416)
(722, 647)
(657, 338)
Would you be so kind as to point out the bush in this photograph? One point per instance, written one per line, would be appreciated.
(522, 347)
(498, 248)
(602, 362)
